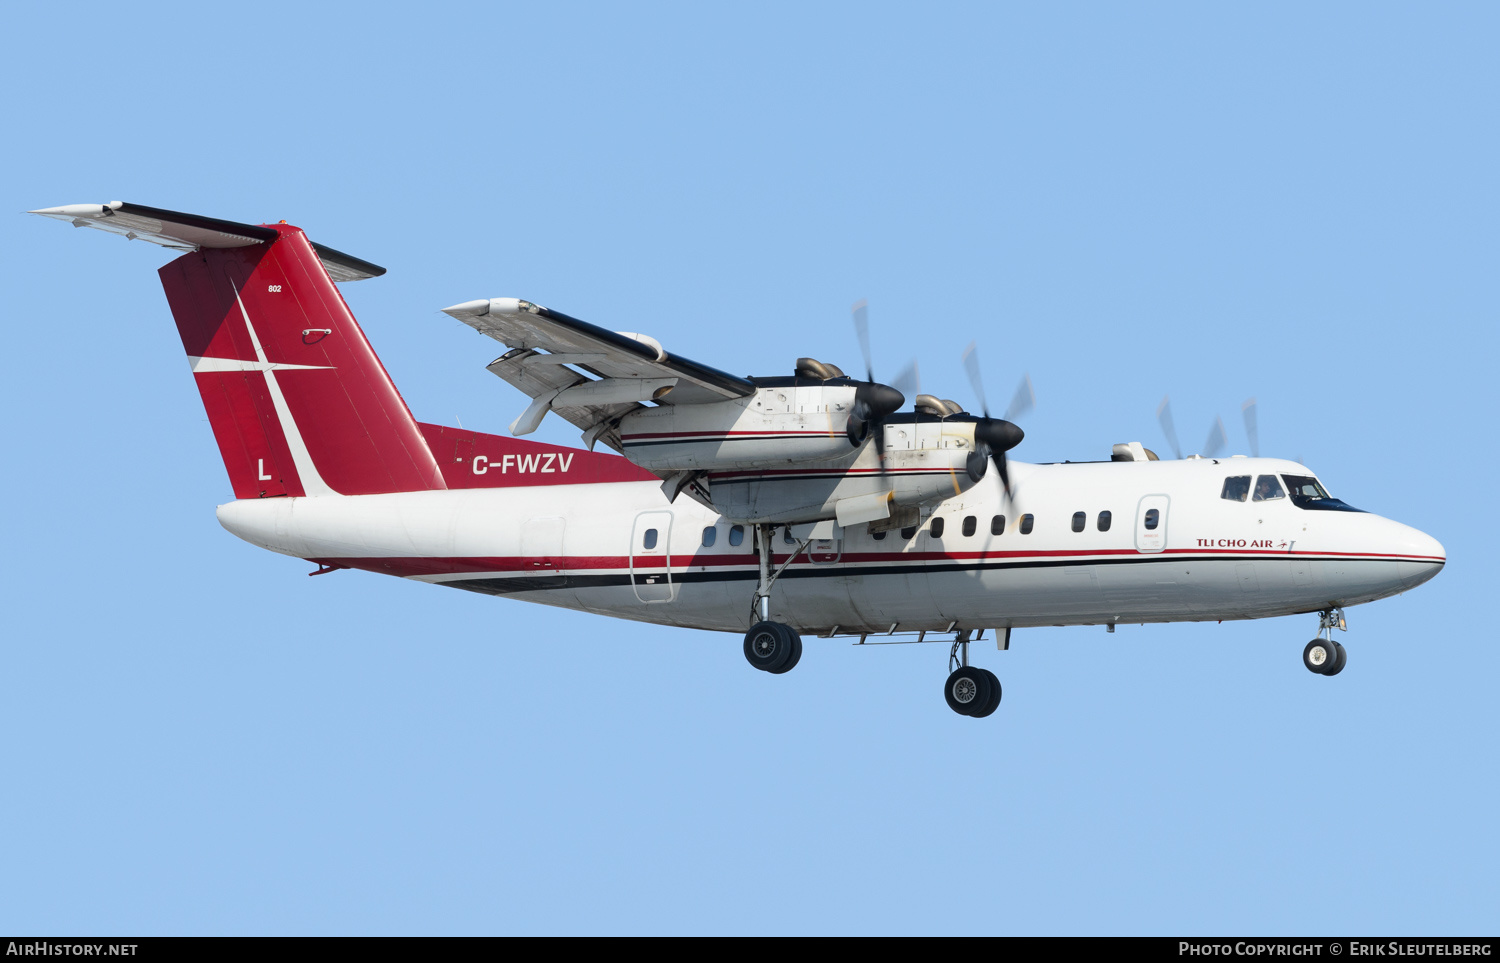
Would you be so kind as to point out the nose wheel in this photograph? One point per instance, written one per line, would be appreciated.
(1323, 656)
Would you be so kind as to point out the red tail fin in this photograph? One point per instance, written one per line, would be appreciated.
(298, 401)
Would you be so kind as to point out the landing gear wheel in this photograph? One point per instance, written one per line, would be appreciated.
(968, 690)
(1343, 657)
(795, 652)
(994, 702)
(1320, 656)
(772, 647)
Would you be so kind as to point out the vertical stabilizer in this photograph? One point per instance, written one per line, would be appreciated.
(298, 401)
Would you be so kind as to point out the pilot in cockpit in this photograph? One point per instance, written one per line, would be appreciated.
(1267, 487)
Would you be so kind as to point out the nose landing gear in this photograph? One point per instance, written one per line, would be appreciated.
(970, 690)
(1323, 656)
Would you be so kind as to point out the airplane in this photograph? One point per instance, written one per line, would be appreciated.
(800, 504)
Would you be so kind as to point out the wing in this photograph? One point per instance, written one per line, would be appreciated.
(630, 368)
(605, 353)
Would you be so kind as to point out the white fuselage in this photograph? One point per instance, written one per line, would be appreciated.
(591, 547)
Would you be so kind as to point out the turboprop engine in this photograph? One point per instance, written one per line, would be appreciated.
(927, 458)
(787, 421)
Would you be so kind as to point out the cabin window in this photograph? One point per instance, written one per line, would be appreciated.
(737, 535)
(878, 536)
(710, 535)
(971, 525)
(1026, 522)
(1236, 488)
(1267, 487)
(650, 540)
(997, 525)
(786, 536)
(1080, 519)
(909, 533)
(937, 528)
(1153, 519)
(1104, 519)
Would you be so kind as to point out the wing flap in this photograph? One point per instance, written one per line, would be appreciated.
(537, 380)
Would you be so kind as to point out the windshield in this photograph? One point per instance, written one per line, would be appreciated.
(1304, 486)
(1267, 488)
(1308, 493)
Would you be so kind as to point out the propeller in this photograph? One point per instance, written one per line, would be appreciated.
(993, 437)
(1164, 415)
(1251, 429)
(1024, 400)
(1216, 439)
(874, 402)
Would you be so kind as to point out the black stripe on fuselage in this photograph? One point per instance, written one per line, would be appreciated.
(509, 585)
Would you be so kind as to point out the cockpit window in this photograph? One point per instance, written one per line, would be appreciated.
(1267, 488)
(1307, 493)
(1304, 486)
(1236, 488)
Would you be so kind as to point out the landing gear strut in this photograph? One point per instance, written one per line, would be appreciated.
(970, 690)
(1323, 656)
(771, 646)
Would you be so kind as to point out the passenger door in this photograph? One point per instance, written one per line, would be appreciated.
(1151, 524)
(651, 557)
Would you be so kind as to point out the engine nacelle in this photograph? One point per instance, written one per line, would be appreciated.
(776, 426)
(927, 461)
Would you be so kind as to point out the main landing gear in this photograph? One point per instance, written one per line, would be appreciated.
(1324, 656)
(771, 646)
(970, 690)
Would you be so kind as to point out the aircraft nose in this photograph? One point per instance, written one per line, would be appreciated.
(1422, 557)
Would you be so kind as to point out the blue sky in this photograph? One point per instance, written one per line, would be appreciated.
(1291, 202)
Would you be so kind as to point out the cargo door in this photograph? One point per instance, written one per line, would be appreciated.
(542, 551)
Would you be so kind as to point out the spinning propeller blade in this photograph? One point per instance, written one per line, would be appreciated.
(909, 381)
(1216, 439)
(993, 437)
(874, 402)
(1024, 400)
(862, 330)
(1164, 415)
(971, 365)
(1251, 429)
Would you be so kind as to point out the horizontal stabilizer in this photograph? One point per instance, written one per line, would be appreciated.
(190, 232)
